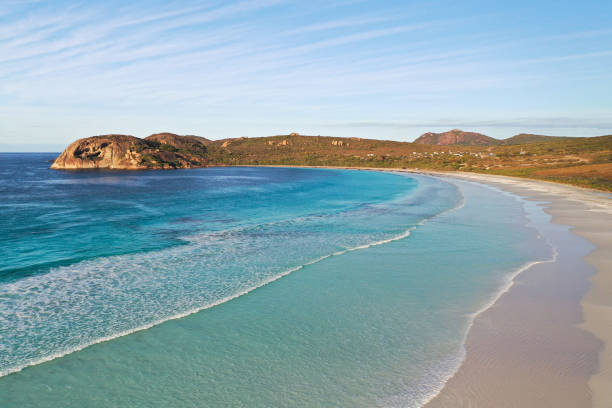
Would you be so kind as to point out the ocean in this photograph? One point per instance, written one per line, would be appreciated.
(244, 286)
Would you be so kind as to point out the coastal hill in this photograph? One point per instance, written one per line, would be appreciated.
(461, 138)
(162, 150)
(585, 161)
(524, 138)
(456, 137)
(190, 142)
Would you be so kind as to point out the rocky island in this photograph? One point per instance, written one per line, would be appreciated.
(124, 152)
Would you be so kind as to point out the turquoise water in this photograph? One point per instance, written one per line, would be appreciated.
(252, 287)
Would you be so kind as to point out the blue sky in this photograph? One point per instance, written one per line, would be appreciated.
(380, 69)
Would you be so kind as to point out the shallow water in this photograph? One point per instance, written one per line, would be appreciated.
(381, 275)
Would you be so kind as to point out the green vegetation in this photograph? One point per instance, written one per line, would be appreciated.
(525, 138)
(167, 148)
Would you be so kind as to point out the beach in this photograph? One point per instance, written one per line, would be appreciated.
(546, 341)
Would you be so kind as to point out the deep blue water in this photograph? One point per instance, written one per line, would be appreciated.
(292, 287)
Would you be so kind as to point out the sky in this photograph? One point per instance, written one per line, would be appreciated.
(377, 69)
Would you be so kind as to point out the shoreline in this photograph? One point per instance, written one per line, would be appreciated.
(531, 348)
(588, 214)
(443, 173)
(569, 329)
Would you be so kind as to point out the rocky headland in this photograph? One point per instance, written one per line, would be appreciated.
(124, 152)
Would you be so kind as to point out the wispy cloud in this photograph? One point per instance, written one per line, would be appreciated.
(577, 35)
(343, 23)
(571, 57)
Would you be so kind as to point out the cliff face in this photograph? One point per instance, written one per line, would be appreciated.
(161, 151)
(456, 137)
(98, 152)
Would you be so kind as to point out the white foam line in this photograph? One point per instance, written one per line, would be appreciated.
(156, 322)
(507, 285)
(210, 305)
(505, 288)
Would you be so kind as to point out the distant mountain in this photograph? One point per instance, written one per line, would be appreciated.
(457, 137)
